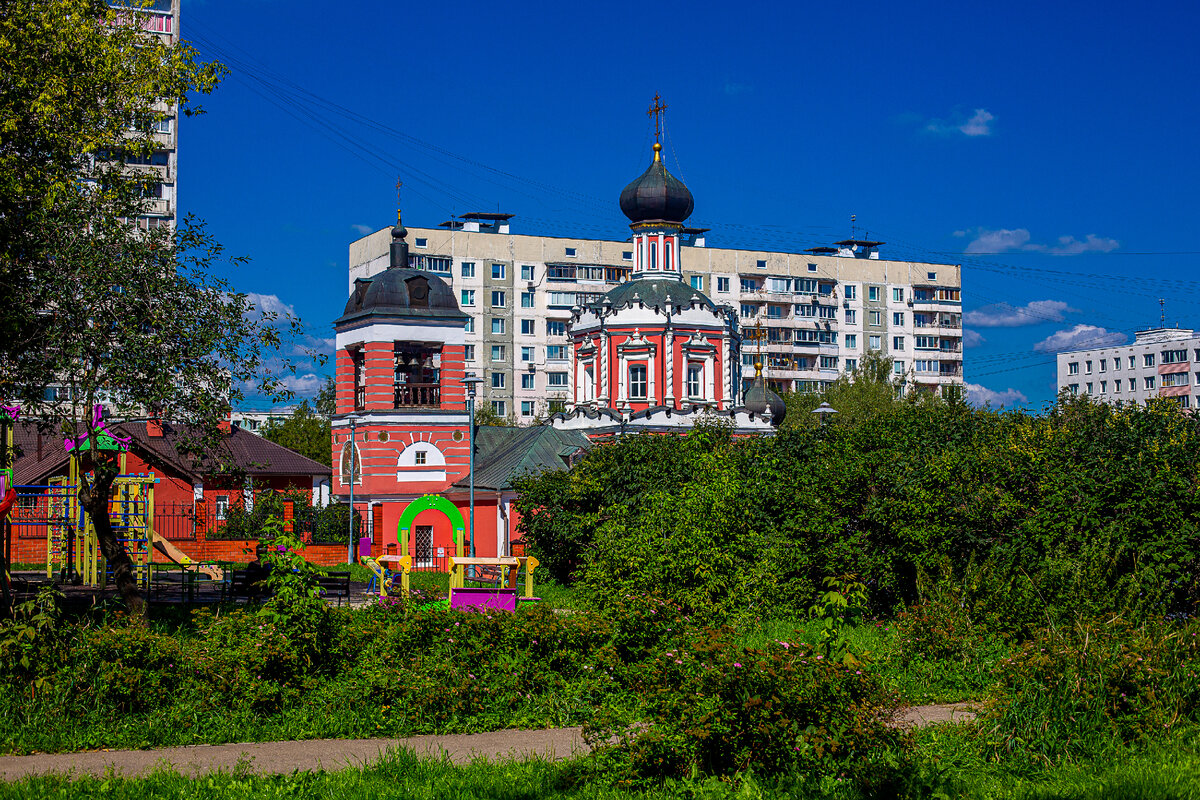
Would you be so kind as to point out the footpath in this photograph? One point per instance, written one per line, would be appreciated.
(275, 758)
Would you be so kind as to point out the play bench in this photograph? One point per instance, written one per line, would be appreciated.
(335, 584)
(502, 571)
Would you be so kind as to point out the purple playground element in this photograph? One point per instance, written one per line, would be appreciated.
(497, 599)
(364, 547)
(12, 412)
(98, 427)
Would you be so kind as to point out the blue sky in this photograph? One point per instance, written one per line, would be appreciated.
(1048, 148)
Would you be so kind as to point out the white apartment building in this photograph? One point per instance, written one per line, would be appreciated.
(817, 312)
(1161, 362)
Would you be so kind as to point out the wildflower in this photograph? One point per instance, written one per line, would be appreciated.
(737, 663)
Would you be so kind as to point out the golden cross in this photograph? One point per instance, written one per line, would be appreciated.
(656, 111)
(399, 183)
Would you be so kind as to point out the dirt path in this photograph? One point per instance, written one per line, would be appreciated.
(272, 758)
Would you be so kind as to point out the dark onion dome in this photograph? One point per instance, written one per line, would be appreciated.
(400, 292)
(657, 195)
(764, 403)
(654, 293)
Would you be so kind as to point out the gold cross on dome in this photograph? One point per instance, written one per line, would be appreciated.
(656, 111)
(399, 183)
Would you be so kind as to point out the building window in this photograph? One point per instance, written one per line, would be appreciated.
(1132, 363)
(1177, 379)
(1074, 387)
(695, 379)
(497, 352)
(812, 267)
(526, 381)
(874, 342)
(1073, 368)
(1117, 385)
(419, 457)
(749, 310)
(1174, 356)
(497, 380)
(851, 364)
(898, 318)
(498, 408)
(627, 255)
(875, 317)
(851, 315)
(497, 325)
(570, 252)
(527, 327)
(1104, 365)
(762, 264)
(1149, 381)
(469, 352)
(222, 506)
(697, 282)
(468, 269)
(556, 352)
(722, 285)
(527, 354)
(526, 299)
(897, 342)
(829, 362)
(852, 341)
(774, 312)
(637, 382)
(851, 291)
(556, 327)
(897, 295)
(527, 272)
(498, 272)
(873, 293)
(1103, 387)
(898, 367)
(468, 297)
(931, 276)
(422, 242)
(1148, 359)
(1087, 367)
(498, 299)
(557, 380)
(526, 408)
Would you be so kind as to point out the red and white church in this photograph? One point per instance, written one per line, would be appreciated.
(653, 355)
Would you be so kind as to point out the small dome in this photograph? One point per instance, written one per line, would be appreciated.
(657, 195)
(763, 402)
(404, 293)
(655, 293)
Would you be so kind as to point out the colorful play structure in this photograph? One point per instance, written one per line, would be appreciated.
(72, 546)
(503, 572)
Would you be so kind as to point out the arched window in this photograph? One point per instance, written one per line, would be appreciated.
(421, 461)
(653, 256)
(350, 463)
(667, 255)
(695, 381)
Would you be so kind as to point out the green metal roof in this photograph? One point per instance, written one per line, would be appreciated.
(502, 454)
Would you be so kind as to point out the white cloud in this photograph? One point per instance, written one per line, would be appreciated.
(983, 396)
(1003, 315)
(1079, 337)
(270, 303)
(306, 385)
(972, 338)
(362, 229)
(313, 344)
(1002, 240)
(980, 123)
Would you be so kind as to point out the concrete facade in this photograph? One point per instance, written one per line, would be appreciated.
(819, 312)
(1161, 362)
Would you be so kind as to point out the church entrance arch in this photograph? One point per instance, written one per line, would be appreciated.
(404, 529)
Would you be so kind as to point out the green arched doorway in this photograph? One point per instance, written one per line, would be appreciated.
(404, 528)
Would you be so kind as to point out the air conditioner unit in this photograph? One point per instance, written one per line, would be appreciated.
(530, 286)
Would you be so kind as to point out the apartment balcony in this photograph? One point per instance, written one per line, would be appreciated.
(949, 370)
(950, 347)
(159, 206)
(160, 172)
(776, 322)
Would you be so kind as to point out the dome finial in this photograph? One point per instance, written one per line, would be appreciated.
(657, 151)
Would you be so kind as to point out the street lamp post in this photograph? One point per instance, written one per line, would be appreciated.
(353, 462)
(471, 382)
(824, 410)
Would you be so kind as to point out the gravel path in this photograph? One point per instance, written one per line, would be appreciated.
(273, 758)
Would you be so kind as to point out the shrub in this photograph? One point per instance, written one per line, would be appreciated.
(715, 708)
(1080, 691)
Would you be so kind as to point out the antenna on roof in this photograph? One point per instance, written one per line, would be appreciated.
(1162, 316)
(853, 229)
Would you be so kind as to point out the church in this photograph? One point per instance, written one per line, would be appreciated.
(651, 355)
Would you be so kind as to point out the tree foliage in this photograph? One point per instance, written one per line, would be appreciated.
(305, 432)
(1088, 507)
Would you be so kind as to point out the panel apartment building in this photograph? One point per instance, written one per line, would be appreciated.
(815, 313)
(1161, 362)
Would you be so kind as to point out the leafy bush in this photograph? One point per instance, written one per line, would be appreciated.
(714, 708)
(1076, 692)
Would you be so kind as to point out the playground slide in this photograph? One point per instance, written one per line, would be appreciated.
(179, 557)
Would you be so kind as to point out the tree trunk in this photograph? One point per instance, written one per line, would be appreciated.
(95, 502)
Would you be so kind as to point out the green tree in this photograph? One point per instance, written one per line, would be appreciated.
(305, 432)
(326, 404)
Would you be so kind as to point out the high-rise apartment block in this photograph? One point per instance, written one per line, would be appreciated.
(812, 314)
(161, 18)
(1161, 362)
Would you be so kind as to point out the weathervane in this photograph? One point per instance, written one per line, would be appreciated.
(656, 111)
